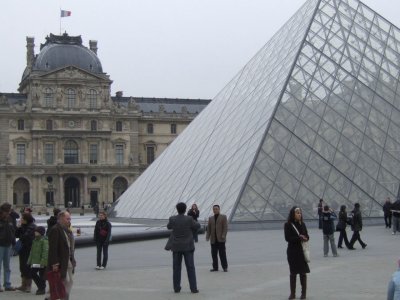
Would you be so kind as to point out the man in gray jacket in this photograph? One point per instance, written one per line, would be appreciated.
(182, 245)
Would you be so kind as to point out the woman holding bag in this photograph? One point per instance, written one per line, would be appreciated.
(295, 234)
(102, 236)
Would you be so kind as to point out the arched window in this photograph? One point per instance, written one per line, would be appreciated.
(71, 152)
(93, 125)
(118, 126)
(48, 97)
(71, 98)
(92, 95)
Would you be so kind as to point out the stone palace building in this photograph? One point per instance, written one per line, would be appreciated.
(65, 141)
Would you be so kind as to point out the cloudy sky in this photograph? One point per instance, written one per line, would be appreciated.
(155, 48)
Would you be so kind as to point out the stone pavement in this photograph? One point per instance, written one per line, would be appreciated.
(258, 269)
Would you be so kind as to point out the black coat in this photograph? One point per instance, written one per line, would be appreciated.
(194, 214)
(328, 226)
(102, 231)
(295, 255)
(26, 234)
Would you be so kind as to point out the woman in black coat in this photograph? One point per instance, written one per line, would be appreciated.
(341, 226)
(102, 236)
(194, 213)
(26, 234)
(295, 233)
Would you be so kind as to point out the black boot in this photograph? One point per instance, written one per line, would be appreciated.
(292, 286)
(303, 282)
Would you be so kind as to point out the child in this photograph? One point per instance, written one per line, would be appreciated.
(38, 259)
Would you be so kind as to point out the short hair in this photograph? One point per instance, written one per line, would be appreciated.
(343, 208)
(181, 207)
(216, 205)
(326, 207)
(56, 211)
(357, 205)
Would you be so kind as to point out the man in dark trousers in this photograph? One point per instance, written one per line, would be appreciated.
(61, 248)
(182, 245)
(217, 229)
(356, 226)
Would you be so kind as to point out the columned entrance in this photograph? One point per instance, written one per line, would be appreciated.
(72, 192)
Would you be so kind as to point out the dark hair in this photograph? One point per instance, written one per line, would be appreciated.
(216, 205)
(5, 207)
(357, 205)
(28, 218)
(343, 208)
(326, 207)
(320, 200)
(181, 208)
(56, 211)
(292, 213)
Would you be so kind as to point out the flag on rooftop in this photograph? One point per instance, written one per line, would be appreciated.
(65, 13)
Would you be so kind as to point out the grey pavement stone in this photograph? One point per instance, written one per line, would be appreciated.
(258, 269)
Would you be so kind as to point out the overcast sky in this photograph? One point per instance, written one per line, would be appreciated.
(155, 48)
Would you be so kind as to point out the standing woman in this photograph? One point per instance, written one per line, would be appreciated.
(295, 233)
(194, 213)
(341, 226)
(26, 234)
(102, 235)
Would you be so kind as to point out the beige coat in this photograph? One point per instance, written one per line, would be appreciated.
(221, 226)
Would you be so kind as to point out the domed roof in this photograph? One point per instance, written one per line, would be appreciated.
(65, 50)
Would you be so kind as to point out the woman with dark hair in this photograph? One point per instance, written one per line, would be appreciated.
(102, 235)
(295, 233)
(341, 227)
(194, 213)
(26, 234)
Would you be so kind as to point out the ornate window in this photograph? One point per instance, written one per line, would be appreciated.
(48, 153)
(93, 125)
(48, 97)
(92, 95)
(119, 154)
(21, 124)
(49, 124)
(173, 128)
(71, 152)
(71, 98)
(20, 154)
(150, 128)
(150, 153)
(118, 126)
(93, 154)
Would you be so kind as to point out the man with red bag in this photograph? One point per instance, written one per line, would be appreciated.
(61, 260)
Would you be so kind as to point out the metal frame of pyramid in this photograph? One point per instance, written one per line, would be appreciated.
(314, 114)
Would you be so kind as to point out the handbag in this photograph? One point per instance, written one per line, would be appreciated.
(305, 246)
(17, 247)
(56, 285)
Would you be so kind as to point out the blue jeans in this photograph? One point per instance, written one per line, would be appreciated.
(190, 269)
(5, 254)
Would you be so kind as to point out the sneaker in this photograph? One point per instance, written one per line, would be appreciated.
(101, 268)
(10, 289)
(98, 268)
(194, 291)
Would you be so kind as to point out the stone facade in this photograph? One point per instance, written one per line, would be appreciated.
(65, 141)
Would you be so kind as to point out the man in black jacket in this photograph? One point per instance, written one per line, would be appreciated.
(356, 226)
(328, 229)
(182, 246)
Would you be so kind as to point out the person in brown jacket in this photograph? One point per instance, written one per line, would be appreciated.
(216, 233)
(61, 248)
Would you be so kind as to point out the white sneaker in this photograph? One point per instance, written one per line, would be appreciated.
(393, 233)
(101, 268)
(98, 268)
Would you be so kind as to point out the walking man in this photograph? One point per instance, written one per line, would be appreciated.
(387, 214)
(182, 245)
(356, 226)
(216, 233)
(61, 251)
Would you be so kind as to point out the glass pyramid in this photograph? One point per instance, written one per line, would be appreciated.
(314, 114)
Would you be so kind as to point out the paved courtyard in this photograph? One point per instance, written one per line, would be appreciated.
(257, 270)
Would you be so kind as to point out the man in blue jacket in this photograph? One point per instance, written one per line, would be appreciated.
(182, 246)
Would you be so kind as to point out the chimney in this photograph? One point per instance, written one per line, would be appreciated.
(119, 94)
(93, 46)
(30, 51)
